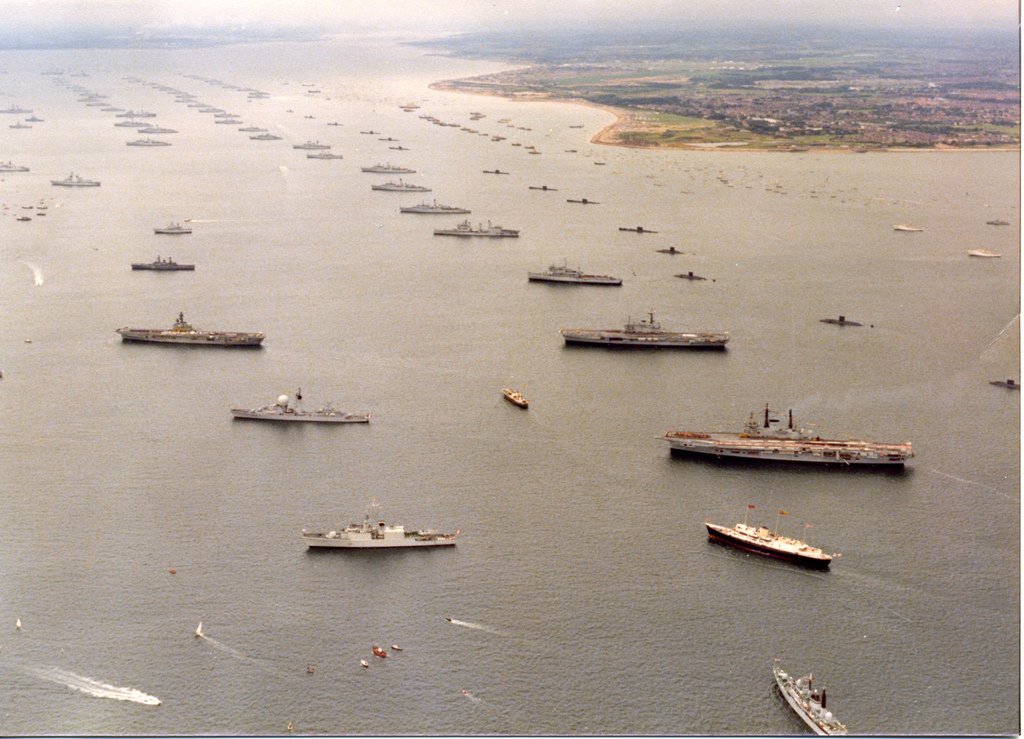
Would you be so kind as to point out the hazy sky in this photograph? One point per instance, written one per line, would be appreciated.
(430, 15)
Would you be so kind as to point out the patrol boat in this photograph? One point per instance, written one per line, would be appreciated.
(809, 704)
(567, 275)
(647, 334)
(183, 332)
(285, 410)
(388, 169)
(769, 442)
(465, 229)
(761, 540)
(73, 180)
(163, 265)
(400, 187)
(434, 207)
(375, 533)
(173, 228)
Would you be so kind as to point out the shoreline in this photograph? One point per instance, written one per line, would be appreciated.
(608, 135)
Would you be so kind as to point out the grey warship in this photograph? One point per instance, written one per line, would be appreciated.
(163, 265)
(809, 704)
(645, 334)
(433, 207)
(183, 332)
(292, 412)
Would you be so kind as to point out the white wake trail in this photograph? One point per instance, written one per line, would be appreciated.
(93, 687)
(471, 625)
(37, 272)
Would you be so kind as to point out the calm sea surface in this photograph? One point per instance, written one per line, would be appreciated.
(585, 595)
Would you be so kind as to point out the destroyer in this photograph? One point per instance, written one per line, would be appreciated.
(163, 265)
(809, 704)
(646, 333)
(288, 412)
(375, 533)
(769, 442)
(73, 180)
(465, 229)
(567, 275)
(400, 186)
(173, 228)
(434, 207)
(388, 169)
(761, 540)
(183, 333)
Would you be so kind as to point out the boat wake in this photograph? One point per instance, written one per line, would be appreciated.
(222, 647)
(470, 696)
(93, 687)
(471, 625)
(37, 272)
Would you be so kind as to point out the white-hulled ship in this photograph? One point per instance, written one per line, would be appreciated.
(183, 332)
(375, 533)
(288, 412)
(434, 207)
(466, 229)
(645, 334)
(73, 180)
(769, 442)
(567, 275)
(808, 703)
(388, 169)
(400, 186)
(762, 540)
(173, 228)
(163, 265)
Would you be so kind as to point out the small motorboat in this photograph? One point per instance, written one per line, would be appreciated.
(378, 652)
(364, 663)
(199, 630)
(515, 397)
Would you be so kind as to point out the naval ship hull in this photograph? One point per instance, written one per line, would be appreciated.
(786, 451)
(257, 415)
(199, 338)
(585, 280)
(410, 539)
(721, 535)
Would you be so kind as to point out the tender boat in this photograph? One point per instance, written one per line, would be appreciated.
(286, 411)
(761, 540)
(808, 703)
(375, 533)
(515, 397)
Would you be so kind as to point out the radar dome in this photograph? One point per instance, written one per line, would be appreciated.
(282, 400)
(828, 715)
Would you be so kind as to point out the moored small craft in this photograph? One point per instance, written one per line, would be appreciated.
(646, 333)
(515, 397)
(762, 540)
(183, 332)
(983, 253)
(808, 703)
(375, 533)
(770, 442)
(163, 265)
(466, 229)
(563, 274)
(287, 411)
(173, 228)
(73, 180)
(907, 227)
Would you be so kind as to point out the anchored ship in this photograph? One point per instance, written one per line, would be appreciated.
(808, 703)
(400, 186)
(769, 442)
(646, 333)
(265, 137)
(465, 229)
(375, 533)
(73, 180)
(762, 540)
(183, 332)
(324, 155)
(566, 275)
(288, 412)
(433, 208)
(173, 228)
(311, 145)
(10, 166)
(163, 265)
(148, 142)
(388, 169)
